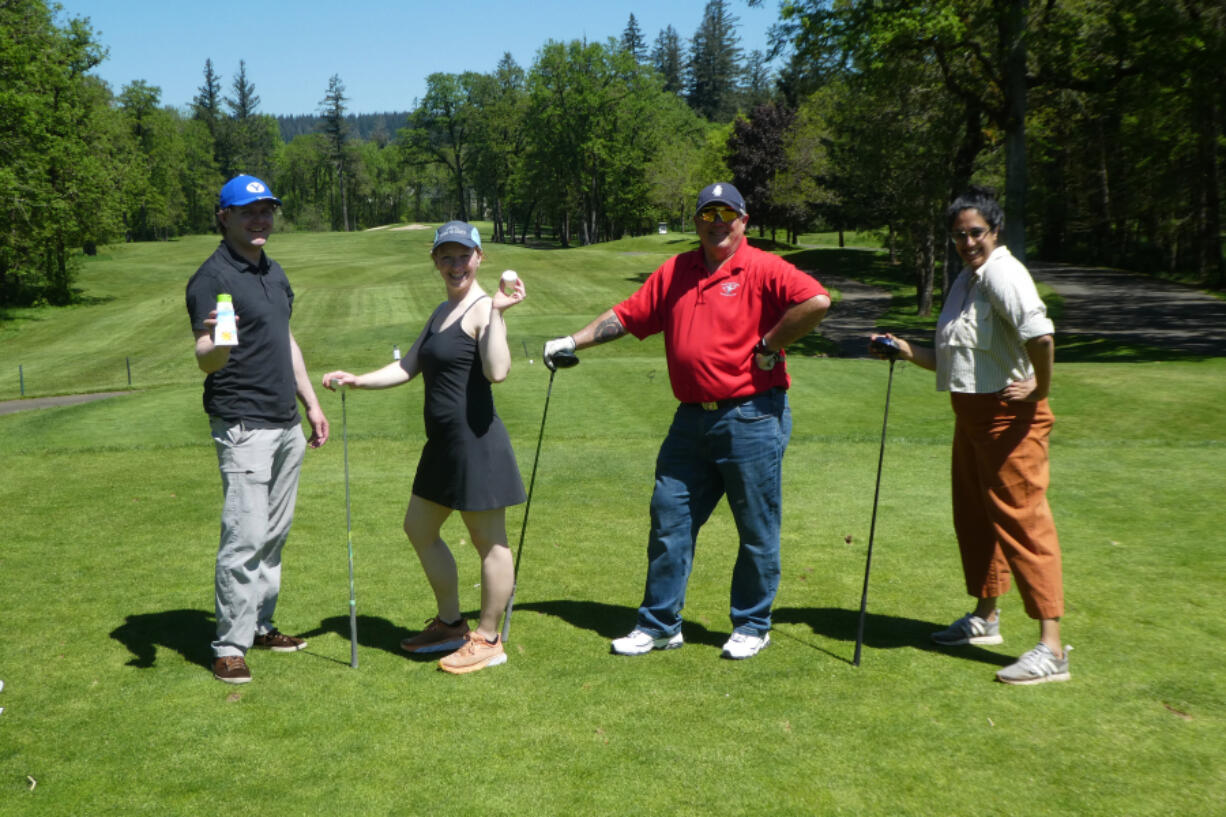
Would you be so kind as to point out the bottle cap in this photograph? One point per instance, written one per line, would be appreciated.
(224, 297)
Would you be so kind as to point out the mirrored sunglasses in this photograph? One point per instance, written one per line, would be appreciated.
(725, 215)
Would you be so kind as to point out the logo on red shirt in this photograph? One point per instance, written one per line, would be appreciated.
(729, 288)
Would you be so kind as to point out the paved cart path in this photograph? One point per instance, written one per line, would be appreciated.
(1127, 307)
(854, 317)
(11, 406)
(1113, 304)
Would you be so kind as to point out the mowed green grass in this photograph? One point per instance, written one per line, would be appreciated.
(111, 513)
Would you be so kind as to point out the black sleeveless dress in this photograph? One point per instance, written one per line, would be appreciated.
(467, 463)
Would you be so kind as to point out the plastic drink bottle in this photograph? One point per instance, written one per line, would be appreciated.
(225, 333)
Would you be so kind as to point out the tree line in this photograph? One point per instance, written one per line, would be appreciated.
(1101, 123)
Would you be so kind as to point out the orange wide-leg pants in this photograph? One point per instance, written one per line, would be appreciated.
(1001, 516)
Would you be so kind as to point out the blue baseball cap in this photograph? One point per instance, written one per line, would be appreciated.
(460, 232)
(720, 193)
(244, 190)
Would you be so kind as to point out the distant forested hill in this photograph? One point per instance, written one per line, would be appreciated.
(378, 127)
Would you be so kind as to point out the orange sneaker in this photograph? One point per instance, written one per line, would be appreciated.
(476, 654)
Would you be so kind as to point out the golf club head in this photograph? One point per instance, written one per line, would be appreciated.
(565, 360)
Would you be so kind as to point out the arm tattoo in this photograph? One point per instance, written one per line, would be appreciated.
(609, 329)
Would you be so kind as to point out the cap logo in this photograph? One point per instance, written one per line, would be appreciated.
(255, 187)
(719, 190)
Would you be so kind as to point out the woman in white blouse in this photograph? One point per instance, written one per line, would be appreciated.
(994, 353)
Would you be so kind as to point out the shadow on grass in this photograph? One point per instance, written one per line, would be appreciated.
(880, 633)
(1075, 348)
(191, 632)
(867, 266)
(373, 632)
(188, 632)
(611, 621)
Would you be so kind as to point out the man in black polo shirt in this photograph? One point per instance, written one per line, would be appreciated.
(249, 395)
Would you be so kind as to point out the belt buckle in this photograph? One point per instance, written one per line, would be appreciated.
(710, 405)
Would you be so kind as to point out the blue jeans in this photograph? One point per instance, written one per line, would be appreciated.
(736, 451)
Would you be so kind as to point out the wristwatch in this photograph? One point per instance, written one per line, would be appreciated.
(769, 358)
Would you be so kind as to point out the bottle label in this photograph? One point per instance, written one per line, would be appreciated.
(225, 333)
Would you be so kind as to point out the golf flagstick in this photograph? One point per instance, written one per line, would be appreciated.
(353, 604)
(560, 361)
(868, 562)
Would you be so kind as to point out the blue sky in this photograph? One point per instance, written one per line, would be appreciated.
(383, 50)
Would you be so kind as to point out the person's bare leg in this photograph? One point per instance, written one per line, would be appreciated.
(489, 534)
(422, 522)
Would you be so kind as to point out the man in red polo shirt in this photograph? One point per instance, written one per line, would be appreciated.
(727, 310)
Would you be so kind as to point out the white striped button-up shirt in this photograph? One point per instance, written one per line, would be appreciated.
(987, 318)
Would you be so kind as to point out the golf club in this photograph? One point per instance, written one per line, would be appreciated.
(562, 360)
(353, 602)
(888, 348)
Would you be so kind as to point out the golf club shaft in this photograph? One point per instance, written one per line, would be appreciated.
(353, 605)
(872, 529)
(506, 618)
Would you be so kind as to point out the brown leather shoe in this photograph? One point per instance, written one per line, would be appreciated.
(437, 637)
(278, 641)
(232, 669)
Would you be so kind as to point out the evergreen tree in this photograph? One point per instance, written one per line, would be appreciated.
(244, 102)
(206, 108)
(715, 63)
(757, 86)
(633, 42)
(206, 105)
(668, 60)
(241, 133)
(332, 123)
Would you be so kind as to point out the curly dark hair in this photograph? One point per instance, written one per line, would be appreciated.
(982, 199)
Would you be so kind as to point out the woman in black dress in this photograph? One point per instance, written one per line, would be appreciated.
(467, 463)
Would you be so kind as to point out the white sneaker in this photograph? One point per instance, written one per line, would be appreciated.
(745, 645)
(641, 643)
(1038, 666)
(970, 629)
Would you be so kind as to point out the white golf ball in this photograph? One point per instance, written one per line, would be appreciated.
(508, 281)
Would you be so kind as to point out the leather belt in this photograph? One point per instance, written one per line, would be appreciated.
(716, 405)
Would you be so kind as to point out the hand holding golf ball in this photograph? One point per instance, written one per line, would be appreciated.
(339, 380)
(510, 290)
